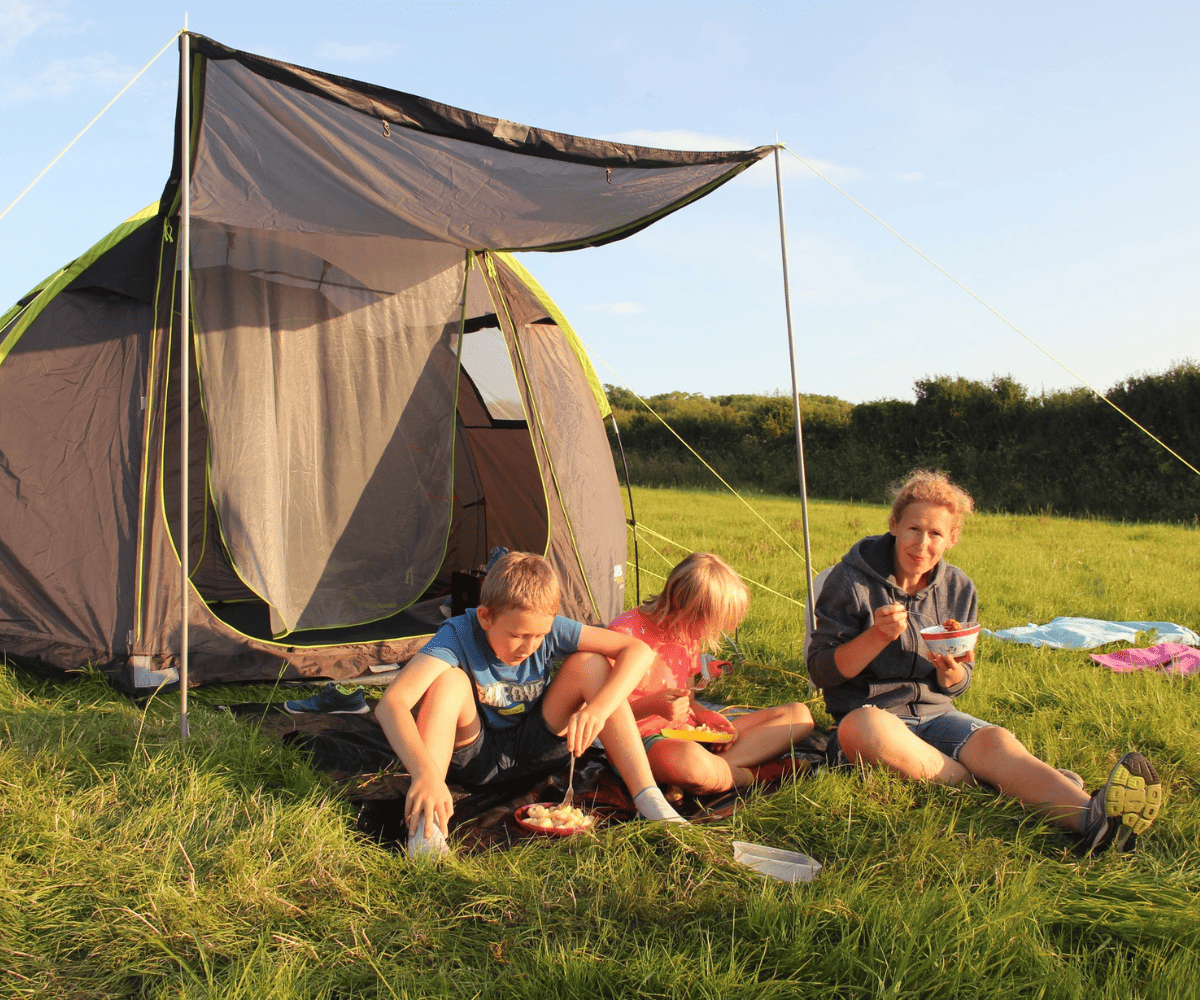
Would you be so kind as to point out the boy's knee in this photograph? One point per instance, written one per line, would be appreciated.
(587, 669)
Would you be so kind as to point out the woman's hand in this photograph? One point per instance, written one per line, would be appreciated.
(429, 798)
(950, 670)
(890, 621)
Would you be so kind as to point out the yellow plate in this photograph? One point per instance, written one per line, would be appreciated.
(696, 735)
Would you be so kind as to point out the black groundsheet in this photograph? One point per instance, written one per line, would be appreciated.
(353, 751)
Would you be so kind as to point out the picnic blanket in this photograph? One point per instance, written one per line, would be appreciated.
(353, 751)
(1087, 633)
(1168, 657)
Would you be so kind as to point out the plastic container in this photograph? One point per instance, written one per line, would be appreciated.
(774, 862)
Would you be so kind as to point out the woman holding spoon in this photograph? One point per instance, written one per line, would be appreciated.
(893, 699)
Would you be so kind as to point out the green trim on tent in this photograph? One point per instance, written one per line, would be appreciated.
(560, 320)
(562, 503)
(57, 282)
(148, 412)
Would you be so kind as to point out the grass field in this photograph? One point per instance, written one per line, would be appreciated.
(130, 867)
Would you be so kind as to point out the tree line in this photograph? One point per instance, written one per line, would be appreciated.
(1065, 452)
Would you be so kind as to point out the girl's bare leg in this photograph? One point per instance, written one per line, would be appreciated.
(693, 768)
(767, 733)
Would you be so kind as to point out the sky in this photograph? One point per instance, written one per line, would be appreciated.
(1041, 153)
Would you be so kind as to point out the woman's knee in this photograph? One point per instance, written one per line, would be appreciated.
(993, 741)
(866, 726)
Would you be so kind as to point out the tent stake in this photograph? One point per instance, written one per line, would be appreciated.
(185, 269)
(787, 305)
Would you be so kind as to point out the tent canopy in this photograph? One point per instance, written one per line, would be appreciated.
(384, 393)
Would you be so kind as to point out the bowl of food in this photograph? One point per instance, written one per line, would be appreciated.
(951, 638)
(553, 820)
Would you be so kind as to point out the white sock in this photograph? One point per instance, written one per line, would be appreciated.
(651, 804)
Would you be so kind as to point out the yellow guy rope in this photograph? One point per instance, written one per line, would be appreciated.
(995, 312)
(770, 526)
(684, 548)
(89, 125)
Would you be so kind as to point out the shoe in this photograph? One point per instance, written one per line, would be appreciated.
(334, 699)
(420, 846)
(1123, 807)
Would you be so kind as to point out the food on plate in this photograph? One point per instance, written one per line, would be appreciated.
(557, 817)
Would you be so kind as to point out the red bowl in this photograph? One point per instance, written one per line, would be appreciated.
(552, 831)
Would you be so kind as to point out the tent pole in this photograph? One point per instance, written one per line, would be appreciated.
(637, 562)
(185, 270)
(787, 305)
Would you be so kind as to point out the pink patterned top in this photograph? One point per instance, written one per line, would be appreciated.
(674, 666)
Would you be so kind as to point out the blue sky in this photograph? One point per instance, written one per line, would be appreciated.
(1042, 153)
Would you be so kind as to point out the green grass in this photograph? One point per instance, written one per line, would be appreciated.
(131, 867)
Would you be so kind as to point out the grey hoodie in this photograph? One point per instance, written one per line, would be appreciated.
(901, 679)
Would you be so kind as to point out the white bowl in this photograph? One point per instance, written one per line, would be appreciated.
(944, 643)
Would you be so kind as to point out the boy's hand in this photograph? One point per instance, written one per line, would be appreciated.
(890, 621)
(429, 799)
(672, 704)
(582, 729)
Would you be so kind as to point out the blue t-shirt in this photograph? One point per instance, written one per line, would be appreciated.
(503, 693)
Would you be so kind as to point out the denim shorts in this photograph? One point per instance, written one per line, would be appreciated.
(947, 732)
(525, 750)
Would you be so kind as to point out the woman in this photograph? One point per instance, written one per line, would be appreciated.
(893, 700)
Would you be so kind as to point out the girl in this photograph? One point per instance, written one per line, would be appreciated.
(703, 597)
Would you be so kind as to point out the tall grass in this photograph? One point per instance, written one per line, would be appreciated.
(132, 867)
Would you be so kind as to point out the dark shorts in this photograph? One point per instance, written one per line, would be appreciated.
(947, 732)
(525, 750)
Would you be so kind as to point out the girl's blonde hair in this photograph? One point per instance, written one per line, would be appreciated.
(703, 597)
(925, 486)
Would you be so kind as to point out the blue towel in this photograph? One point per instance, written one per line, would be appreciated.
(1084, 633)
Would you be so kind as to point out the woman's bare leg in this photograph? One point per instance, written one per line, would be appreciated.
(996, 756)
(877, 737)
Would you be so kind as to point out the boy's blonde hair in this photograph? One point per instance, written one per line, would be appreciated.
(703, 597)
(521, 581)
(925, 486)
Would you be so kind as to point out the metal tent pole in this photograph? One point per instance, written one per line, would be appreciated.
(185, 270)
(787, 305)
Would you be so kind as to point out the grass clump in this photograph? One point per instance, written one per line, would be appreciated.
(133, 867)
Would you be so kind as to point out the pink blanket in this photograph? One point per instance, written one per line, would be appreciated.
(1169, 657)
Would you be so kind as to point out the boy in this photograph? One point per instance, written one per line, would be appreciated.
(498, 717)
